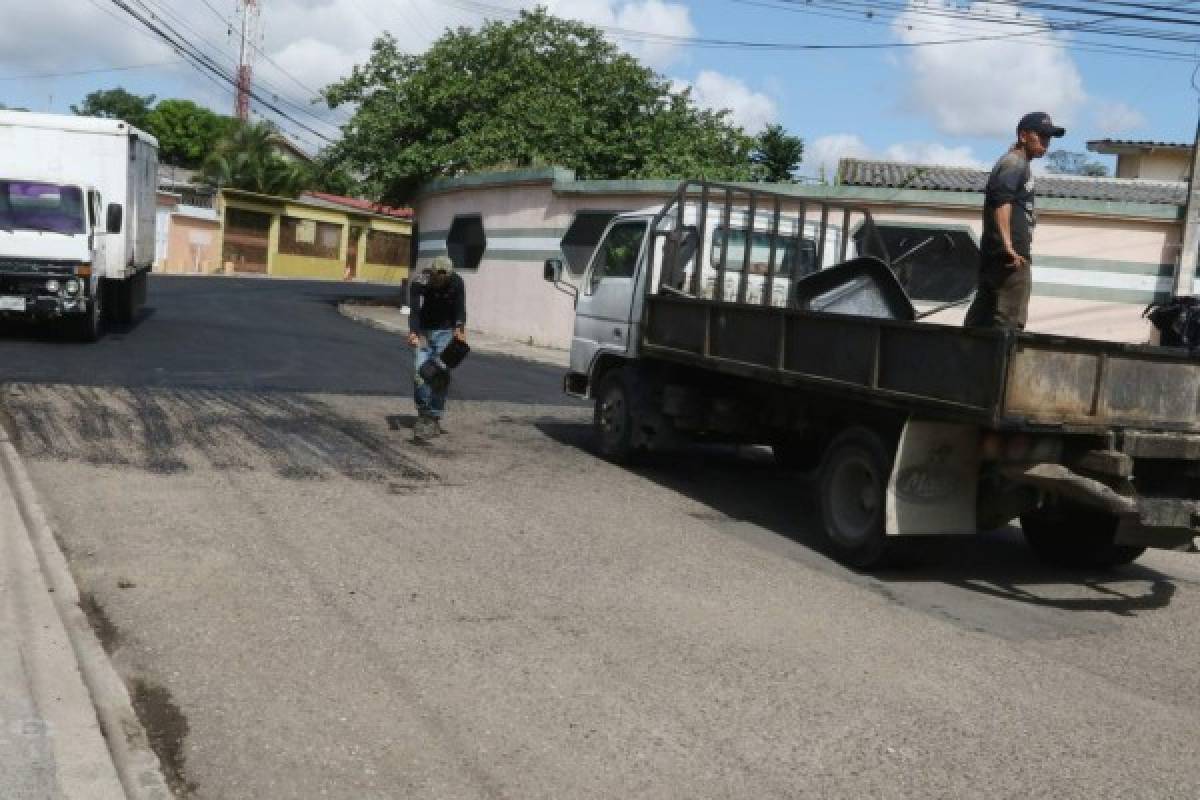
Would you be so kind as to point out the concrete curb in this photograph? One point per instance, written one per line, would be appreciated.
(478, 340)
(129, 751)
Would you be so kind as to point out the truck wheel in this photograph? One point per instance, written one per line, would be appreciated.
(854, 481)
(123, 301)
(90, 326)
(613, 419)
(1069, 536)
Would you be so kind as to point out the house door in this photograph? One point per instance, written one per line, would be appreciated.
(246, 237)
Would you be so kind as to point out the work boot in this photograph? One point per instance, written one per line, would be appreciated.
(424, 429)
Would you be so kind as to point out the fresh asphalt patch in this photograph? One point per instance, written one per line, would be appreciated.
(167, 431)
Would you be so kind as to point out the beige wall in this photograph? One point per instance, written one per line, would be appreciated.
(192, 246)
(1165, 165)
(507, 296)
(1093, 275)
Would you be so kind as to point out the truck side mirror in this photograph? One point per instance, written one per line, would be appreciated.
(115, 217)
(552, 270)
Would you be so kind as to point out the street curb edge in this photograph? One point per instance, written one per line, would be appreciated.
(137, 765)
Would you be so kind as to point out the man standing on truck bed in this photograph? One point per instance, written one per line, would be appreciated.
(1006, 264)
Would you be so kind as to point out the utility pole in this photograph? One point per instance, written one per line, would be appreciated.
(1185, 273)
(250, 19)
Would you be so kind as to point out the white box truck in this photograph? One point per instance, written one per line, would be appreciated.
(77, 211)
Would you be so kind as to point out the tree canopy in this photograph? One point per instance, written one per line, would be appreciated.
(534, 91)
(116, 104)
(246, 158)
(776, 154)
(187, 133)
(1064, 162)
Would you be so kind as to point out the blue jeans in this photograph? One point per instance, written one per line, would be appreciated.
(429, 402)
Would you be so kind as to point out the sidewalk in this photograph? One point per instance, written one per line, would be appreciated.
(68, 730)
(395, 320)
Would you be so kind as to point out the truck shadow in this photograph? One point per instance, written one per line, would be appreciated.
(49, 333)
(753, 499)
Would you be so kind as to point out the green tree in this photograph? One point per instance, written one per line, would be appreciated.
(534, 91)
(116, 104)
(187, 133)
(246, 158)
(776, 155)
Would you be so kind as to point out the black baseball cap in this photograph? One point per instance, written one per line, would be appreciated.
(1040, 122)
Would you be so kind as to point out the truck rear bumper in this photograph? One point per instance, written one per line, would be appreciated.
(1170, 523)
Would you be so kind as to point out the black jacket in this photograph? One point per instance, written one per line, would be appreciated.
(436, 308)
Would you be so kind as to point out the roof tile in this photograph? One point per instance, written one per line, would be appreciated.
(894, 175)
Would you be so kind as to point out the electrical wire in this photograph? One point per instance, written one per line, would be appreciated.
(96, 71)
(203, 62)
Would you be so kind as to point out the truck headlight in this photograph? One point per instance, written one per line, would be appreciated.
(73, 286)
(52, 286)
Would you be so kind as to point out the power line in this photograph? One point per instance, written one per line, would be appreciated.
(96, 71)
(201, 61)
(761, 46)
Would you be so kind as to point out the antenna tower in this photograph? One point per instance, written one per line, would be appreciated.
(250, 12)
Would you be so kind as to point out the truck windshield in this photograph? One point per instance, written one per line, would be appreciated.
(30, 206)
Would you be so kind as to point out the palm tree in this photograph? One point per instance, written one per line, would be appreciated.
(247, 159)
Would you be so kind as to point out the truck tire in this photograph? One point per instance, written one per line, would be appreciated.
(90, 326)
(853, 484)
(614, 419)
(125, 298)
(1070, 536)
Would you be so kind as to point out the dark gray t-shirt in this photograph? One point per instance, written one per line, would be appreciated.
(1011, 181)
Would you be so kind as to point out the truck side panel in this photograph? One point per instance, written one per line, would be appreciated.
(140, 206)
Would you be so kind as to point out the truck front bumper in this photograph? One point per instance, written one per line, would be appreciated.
(27, 297)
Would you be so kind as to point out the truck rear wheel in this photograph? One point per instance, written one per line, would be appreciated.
(1070, 536)
(853, 485)
(613, 419)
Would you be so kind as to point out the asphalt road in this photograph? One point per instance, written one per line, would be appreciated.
(259, 335)
(309, 605)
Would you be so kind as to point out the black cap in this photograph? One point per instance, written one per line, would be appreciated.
(1040, 121)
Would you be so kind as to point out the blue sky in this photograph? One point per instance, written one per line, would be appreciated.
(942, 104)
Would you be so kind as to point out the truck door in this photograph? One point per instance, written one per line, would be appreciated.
(604, 314)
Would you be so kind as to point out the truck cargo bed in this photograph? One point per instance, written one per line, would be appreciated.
(994, 378)
(730, 269)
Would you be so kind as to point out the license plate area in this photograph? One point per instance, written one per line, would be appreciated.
(12, 303)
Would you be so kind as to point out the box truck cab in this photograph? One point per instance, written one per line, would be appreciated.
(77, 199)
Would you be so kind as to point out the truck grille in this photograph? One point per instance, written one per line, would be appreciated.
(27, 266)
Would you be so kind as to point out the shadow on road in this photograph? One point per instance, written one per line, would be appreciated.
(54, 332)
(744, 485)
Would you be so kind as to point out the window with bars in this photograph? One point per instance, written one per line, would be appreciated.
(309, 237)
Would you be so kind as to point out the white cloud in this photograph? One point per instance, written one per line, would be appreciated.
(821, 155)
(314, 42)
(983, 87)
(933, 153)
(1115, 118)
(643, 16)
(752, 110)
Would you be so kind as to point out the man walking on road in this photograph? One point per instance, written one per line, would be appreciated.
(1006, 264)
(437, 315)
